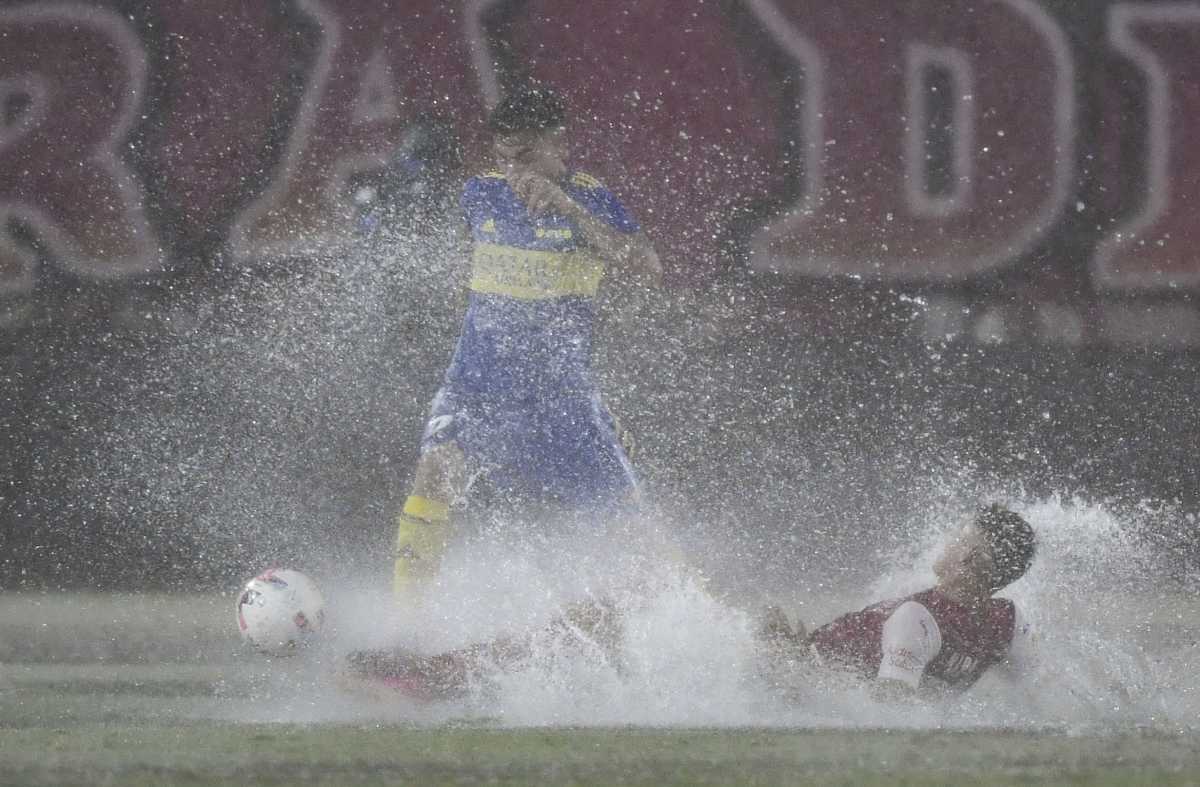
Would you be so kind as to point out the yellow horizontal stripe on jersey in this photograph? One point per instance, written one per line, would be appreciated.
(532, 275)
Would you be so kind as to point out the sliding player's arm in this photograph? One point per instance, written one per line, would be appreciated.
(776, 637)
(1021, 668)
(911, 640)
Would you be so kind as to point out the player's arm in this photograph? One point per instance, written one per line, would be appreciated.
(1020, 667)
(911, 640)
(631, 251)
(777, 640)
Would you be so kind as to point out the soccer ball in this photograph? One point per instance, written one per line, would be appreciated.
(279, 611)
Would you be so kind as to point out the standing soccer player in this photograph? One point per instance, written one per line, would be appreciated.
(519, 405)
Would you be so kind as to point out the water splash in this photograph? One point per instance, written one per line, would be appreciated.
(1114, 642)
(276, 429)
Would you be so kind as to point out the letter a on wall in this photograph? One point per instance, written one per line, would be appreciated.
(375, 71)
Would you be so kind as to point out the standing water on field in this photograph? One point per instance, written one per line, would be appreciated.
(281, 429)
(1112, 645)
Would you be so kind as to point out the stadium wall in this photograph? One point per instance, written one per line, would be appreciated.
(999, 197)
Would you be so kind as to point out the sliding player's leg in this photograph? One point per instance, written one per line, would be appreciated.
(591, 626)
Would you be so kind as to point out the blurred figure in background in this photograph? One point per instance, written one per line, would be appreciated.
(413, 192)
(519, 414)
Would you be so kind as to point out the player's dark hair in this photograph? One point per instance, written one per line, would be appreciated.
(529, 109)
(1012, 542)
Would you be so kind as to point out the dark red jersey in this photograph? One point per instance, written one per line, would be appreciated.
(924, 638)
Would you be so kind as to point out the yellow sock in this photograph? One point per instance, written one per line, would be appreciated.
(420, 541)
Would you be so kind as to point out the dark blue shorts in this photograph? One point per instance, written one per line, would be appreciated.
(562, 449)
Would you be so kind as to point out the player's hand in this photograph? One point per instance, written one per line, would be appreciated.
(888, 691)
(776, 632)
(540, 195)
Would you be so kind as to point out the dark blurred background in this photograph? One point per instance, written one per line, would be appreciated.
(915, 255)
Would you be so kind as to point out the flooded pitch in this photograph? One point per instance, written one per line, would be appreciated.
(157, 689)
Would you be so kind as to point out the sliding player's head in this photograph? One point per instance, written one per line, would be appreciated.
(991, 553)
(529, 131)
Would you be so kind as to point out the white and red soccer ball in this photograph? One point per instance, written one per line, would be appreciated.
(279, 611)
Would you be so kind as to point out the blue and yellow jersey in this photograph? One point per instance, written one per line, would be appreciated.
(528, 327)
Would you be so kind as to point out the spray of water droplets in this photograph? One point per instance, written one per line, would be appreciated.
(1113, 648)
(281, 426)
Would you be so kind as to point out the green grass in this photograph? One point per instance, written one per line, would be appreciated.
(203, 754)
(76, 712)
(155, 725)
